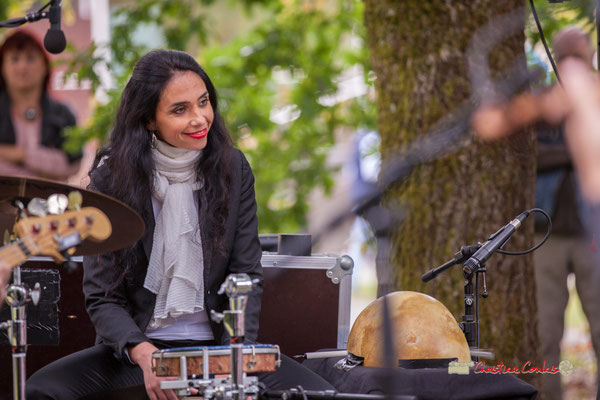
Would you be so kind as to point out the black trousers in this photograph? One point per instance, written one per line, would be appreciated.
(96, 373)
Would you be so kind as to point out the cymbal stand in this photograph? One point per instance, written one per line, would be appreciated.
(238, 386)
(17, 296)
(236, 287)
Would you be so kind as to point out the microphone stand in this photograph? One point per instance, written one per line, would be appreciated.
(470, 319)
(460, 257)
(32, 17)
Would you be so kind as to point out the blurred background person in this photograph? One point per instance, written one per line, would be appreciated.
(5, 271)
(568, 248)
(31, 123)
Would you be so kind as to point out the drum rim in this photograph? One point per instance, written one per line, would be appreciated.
(213, 351)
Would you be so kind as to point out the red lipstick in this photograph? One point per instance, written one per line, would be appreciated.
(199, 134)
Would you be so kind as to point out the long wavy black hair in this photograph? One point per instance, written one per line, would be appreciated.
(128, 155)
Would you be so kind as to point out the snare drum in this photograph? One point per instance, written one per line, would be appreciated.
(256, 358)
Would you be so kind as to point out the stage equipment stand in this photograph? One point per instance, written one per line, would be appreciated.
(239, 386)
(469, 324)
(236, 287)
(17, 296)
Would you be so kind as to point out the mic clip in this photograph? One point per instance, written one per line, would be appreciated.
(493, 235)
(470, 267)
(464, 253)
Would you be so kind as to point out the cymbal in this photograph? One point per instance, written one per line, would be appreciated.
(127, 225)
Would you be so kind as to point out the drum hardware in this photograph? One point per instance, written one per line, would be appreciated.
(194, 367)
(17, 296)
(205, 369)
(252, 362)
(322, 354)
(215, 360)
(236, 287)
(237, 386)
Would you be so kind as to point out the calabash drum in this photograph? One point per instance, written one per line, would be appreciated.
(256, 358)
(422, 328)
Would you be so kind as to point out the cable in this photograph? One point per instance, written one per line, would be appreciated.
(539, 26)
(548, 231)
(477, 308)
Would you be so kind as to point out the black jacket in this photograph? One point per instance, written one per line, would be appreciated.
(121, 315)
(55, 118)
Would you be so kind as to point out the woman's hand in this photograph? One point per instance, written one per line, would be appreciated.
(81, 177)
(141, 354)
(12, 153)
(4, 278)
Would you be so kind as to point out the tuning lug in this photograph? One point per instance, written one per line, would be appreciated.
(18, 204)
(57, 203)
(53, 225)
(75, 200)
(37, 207)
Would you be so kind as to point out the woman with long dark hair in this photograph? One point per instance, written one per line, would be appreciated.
(171, 159)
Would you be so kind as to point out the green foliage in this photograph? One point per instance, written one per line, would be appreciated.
(555, 16)
(4, 6)
(289, 61)
(288, 159)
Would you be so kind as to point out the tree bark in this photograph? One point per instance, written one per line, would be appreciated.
(418, 52)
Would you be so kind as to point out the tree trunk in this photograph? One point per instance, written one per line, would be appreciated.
(418, 52)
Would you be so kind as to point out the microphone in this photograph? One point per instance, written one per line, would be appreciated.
(494, 242)
(55, 41)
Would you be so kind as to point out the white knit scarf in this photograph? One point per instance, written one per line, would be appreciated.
(175, 270)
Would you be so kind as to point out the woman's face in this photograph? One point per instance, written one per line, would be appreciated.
(184, 113)
(23, 69)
